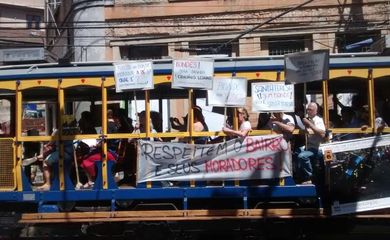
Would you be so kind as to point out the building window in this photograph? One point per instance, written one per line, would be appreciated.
(208, 47)
(356, 42)
(144, 52)
(281, 46)
(33, 22)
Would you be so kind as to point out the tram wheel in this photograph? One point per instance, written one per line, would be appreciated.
(124, 204)
(66, 206)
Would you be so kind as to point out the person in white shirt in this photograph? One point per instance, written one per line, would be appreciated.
(243, 121)
(315, 128)
(283, 124)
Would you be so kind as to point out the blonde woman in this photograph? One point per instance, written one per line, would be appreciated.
(243, 122)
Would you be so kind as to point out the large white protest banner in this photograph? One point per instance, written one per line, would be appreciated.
(193, 74)
(133, 76)
(257, 157)
(272, 97)
(228, 92)
(306, 66)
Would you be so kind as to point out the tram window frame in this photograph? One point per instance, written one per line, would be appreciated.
(7, 126)
(382, 101)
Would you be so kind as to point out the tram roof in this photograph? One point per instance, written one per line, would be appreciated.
(161, 67)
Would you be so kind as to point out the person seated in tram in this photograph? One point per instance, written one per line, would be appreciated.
(30, 152)
(140, 126)
(177, 125)
(262, 121)
(379, 126)
(200, 125)
(51, 156)
(88, 151)
(349, 120)
(126, 151)
(315, 128)
(243, 122)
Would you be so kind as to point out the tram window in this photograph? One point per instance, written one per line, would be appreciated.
(214, 116)
(5, 117)
(165, 107)
(382, 102)
(82, 99)
(40, 116)
(348, 107)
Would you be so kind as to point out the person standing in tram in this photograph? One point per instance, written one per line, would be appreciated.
(315, 128)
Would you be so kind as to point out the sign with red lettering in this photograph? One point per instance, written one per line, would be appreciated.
(133, 75)
(272, 97)
(254, 157)
(193, 74)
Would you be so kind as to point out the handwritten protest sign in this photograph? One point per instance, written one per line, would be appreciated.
(272, 97)
(257, 157)
(193, 74)
(133, 75)
(229, 92)
(307, 66)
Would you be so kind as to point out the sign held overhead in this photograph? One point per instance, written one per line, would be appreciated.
(193, 74)
(133, 76)
(272, 97)
(228, 92)
(306, 66)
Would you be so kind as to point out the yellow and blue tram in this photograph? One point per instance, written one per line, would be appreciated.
(44, 97)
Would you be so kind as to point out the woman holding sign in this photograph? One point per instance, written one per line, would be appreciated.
(243, 121)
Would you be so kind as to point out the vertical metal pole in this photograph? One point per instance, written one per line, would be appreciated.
(104, 133)
(147, 124)
(190, 121)
(147, 114)
(371, 99)
(325, 95)
(18, 135)
(61, 113)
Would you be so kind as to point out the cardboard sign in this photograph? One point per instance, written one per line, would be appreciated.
(306, 66)
(272, 97)
(193, 74)
(228, 92)
(257, 157)
(133, 76)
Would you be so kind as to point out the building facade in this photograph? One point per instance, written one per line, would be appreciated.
(139, 29)
(21, 31)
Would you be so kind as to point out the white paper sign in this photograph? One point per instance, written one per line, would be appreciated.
(307, 66)
(193, 74)
(272, 97)
(255, 157)
(229, 92)
(133, 75)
